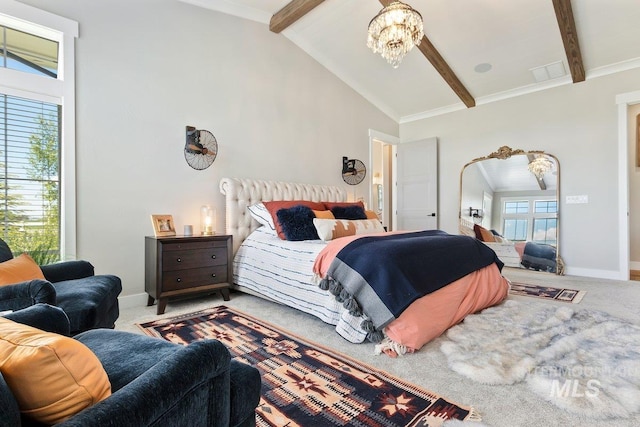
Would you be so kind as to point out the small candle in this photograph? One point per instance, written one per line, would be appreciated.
(208, 220)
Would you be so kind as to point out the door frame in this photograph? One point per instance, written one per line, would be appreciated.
(376, 137)
(624, 100)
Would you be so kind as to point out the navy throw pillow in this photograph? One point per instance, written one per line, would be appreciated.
(297, 223)
(349, 212)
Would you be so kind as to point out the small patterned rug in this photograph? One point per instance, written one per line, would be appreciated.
(547, 292)
(305, 384)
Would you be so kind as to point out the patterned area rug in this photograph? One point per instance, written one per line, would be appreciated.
(547, 292)
(304, 384)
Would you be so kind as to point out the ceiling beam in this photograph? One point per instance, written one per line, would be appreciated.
(441, 66)
(431, 53)
(289, 14)
(567, 24)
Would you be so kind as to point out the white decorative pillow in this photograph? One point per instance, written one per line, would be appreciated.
(329, 229)
(260, 213)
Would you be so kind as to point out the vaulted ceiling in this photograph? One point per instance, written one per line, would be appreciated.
(473, 52)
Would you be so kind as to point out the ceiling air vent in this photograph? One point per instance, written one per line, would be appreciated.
(548, 72)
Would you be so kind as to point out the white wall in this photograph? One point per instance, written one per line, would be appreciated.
(148, 68)
(578, 124)
(474, 185)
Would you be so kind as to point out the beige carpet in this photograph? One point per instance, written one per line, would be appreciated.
(509, 406)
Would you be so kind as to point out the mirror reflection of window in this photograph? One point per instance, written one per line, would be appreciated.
(518, 191)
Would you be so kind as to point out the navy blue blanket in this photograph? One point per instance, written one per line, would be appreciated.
(381, 276)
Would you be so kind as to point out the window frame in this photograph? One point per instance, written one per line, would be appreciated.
(59, 91)
(531, 215)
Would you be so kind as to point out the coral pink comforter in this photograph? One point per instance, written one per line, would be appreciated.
(429, 316)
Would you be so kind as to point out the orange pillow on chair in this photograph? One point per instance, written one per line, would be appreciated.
(19, 269)
(52, 376)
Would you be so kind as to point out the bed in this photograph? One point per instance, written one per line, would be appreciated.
(303, 273)
(529, 255)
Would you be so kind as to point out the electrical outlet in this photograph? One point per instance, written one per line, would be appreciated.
(572, 200)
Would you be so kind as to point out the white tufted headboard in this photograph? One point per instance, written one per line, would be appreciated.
(241, 193)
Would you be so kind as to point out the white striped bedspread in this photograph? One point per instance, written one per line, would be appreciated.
(283, 271)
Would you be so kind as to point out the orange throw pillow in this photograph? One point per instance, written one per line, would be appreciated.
(19, 269)
(483, 234)
(51, 376)
(371, 215)
(324, 214)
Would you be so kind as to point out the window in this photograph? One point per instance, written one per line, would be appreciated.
(529, 219)
(28, 53)
(29, 178)
(545, 206)
(544, 230)
(516, 221)
(515, 229)
(545, 221)
(519, 207)
(37, 132)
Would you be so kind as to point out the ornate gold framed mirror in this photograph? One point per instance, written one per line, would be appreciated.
(510, 200)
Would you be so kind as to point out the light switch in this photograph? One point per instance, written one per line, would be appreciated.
(577, 199)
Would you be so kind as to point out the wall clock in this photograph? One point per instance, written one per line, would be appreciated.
(353, 171)
(201, 148)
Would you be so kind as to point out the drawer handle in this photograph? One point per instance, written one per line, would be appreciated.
(213, 274)
(213, 257)
(179, 259)
(178, 280)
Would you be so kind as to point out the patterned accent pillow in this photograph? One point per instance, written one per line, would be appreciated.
(329, 229)
(260, 213)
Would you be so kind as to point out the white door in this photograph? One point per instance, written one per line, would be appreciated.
(417, 185)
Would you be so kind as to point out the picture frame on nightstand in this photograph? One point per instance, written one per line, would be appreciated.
(163, 225)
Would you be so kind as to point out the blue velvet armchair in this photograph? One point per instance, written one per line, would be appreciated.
(90, 301)
(153, 381)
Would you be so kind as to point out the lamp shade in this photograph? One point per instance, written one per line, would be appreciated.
(207, 220)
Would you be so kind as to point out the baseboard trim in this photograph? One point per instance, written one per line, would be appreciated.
(130, 301)
(634, 265)
(597, 274)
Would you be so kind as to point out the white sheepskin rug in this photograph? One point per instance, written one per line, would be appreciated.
(586, 362)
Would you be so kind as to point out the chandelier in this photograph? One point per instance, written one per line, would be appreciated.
(539, 166)
(394, 31)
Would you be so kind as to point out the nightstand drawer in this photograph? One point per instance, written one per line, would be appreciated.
(204, 244)
(173, 280)
(185, 259)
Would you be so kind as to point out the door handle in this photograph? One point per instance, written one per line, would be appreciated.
(432, 214)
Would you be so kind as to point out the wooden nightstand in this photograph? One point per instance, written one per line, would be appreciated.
(184, 265)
